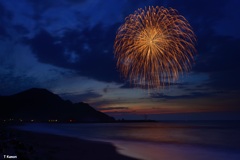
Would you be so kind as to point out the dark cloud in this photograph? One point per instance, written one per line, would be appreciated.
(102, 102)
(202, 15)
(106, 89)
(5, 17)
(90, 52)
(192, 95)
(47, 50)
(84, 97)
(76, 1)
(164, 85)
(200, 116)
(3, 32)
(8, 28)
(219, 58)
(95, 47)
(127, 85)
(218, 54)
(39, 7)
(89, 95)
(21, 29)
(114, 108)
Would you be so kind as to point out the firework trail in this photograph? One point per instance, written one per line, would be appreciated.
(154, 46)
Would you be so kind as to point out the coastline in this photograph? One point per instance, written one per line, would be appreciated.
(32, 145)
(60, 144)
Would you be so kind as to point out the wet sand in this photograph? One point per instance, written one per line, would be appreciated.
(44, 146)
(31, 145)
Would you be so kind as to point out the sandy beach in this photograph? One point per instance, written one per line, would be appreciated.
(77, 142)
(31, 145)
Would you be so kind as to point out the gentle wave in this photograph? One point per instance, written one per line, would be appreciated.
(210, 134)
(154, 141)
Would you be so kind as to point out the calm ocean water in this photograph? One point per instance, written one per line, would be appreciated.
(218, 134)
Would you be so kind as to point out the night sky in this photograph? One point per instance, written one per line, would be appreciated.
(66, 46)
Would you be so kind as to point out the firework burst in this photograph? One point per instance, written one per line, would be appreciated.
(154, 46)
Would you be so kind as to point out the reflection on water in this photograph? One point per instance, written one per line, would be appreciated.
(220, 134)
(153, 141)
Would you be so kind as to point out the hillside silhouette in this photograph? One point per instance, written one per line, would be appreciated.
(41, 105)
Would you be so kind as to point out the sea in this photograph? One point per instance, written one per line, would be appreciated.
(171, 140)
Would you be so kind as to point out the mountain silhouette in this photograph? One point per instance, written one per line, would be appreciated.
(41, 105)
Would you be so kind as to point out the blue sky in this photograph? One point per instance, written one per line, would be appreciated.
(66, 46)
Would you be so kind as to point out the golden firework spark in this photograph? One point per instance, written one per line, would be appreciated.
(154, 46)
